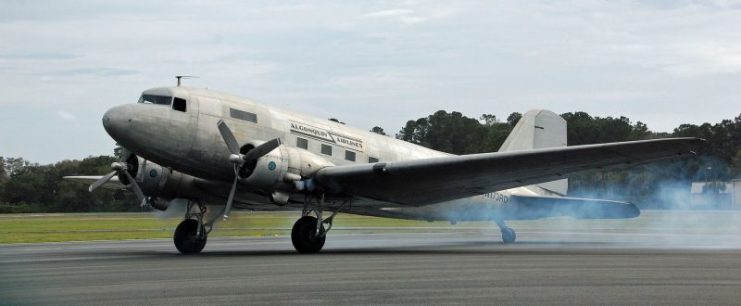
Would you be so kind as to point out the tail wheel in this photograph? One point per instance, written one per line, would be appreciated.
(304, 235)
(187, 238)
(508, 235)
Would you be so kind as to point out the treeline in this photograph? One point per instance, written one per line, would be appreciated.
(30, 187)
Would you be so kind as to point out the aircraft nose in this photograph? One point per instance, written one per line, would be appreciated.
(117, 121)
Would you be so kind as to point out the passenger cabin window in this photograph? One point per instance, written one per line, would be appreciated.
(178, 104)
(242, 115)
(372, 159)
(302, 143)
(326, 149)
(152, 99)
(350, 155)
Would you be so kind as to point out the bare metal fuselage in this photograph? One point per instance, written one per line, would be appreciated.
(189, 142)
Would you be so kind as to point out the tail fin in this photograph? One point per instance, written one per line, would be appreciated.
(539, 129)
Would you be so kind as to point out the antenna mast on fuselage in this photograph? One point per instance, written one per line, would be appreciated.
(179, 77)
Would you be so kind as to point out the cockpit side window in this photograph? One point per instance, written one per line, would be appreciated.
(178, 104)
(152, 99)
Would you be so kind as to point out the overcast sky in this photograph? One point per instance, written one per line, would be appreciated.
(62, 64)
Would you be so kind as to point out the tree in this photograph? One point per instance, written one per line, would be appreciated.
(3, 174)
(15, 164)
(455, 133)
(513, 118)
(35, 188)
(378, 130)
(414, 131)
(640, 131)
(736, 165)
(488, 119)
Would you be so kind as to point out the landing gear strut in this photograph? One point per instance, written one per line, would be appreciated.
(191, 235)
(309, 232)
(508, 234)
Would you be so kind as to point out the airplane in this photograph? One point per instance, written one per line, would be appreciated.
(203, 146)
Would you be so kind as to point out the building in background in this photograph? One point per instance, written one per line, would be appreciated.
(716, 194)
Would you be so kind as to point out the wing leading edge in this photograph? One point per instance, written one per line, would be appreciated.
(433, 180)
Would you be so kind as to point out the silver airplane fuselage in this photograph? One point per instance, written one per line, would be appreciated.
(189, 140)
(185, 138)
(207, 148)
(176, 128)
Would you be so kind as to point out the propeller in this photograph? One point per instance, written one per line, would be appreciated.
(238, 159)
(120, 168)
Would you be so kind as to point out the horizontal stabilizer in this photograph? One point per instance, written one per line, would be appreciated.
(113, 183)
(534, 207)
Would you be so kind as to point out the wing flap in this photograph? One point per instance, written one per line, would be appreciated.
(433, 180)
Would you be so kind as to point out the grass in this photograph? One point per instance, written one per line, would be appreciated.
(28, 228)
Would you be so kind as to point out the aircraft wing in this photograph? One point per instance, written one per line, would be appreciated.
(113, 183)
(433, 180)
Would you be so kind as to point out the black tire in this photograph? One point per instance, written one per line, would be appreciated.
(185, 237)
(508, 235)
(304, 236)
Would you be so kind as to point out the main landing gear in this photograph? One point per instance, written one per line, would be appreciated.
(191, 234)
(508, 234)
(305, 237)
(309, 232)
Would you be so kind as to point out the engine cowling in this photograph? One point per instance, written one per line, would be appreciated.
(276, 172)
(157, 181)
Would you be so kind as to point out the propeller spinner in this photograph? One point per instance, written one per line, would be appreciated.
(238, 159)
(118, 169)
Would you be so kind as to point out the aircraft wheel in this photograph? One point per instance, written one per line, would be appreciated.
(304, 236)
(508, 235)
(186, 240)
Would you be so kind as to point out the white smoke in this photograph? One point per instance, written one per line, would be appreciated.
(671, 216)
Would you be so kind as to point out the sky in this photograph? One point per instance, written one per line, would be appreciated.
(368, 63)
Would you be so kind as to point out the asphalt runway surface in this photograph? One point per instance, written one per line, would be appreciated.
(544, 267)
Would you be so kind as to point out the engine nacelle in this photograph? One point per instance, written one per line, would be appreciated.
(157, 181)
(278, 170)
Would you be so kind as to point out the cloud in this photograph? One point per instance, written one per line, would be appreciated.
(389, 13)
(36, 54)
(66, 116)
(403, 15)
(99, 71)
(369, 63)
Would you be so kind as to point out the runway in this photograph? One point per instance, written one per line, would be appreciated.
(544, 267)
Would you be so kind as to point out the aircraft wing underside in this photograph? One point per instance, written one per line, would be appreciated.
(433, 180)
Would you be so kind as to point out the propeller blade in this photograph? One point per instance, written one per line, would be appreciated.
(101, 181)
(135, 187)
(228, 136)
(262, 149)
(229, 200)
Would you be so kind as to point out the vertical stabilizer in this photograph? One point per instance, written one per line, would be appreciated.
(539, 129)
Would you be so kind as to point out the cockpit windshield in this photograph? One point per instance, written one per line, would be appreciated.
(153, 99)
